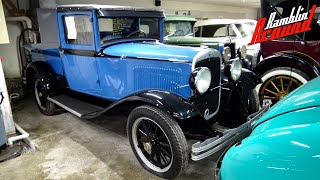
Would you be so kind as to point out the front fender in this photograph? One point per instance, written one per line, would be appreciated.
(303, 63)
(276, 154)
(249, 80)
(173, 104)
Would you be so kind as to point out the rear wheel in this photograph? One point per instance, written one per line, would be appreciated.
(157, 142)
(41, 94)
(279, 82)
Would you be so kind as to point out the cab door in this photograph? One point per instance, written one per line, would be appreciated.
(77, 43)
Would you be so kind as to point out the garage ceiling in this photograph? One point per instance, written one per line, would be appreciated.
(238, 3)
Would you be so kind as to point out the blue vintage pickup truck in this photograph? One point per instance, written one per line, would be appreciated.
(113, 57)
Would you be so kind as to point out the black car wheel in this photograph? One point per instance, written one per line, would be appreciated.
(157, 142)
(254, 102)
(41, 94)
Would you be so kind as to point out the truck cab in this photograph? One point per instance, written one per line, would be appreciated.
(112, 56)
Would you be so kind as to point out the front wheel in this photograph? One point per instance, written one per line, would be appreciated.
(157, 142)
(279, 82)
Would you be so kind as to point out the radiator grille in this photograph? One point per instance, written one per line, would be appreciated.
(210, 99)
(157, 78)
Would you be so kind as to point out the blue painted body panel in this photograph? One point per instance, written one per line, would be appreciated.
(82, 74)
(152, 51)
(50, 56)
(121, 77)
(285, 142)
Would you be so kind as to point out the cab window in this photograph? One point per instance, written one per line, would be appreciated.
(78, 30)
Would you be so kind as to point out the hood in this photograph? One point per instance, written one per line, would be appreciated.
(197, 41)
(304, 97)
(152, 51)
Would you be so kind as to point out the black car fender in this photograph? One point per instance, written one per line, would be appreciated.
(43, 71)
(171, 103)
(249, 79)
(292, 60)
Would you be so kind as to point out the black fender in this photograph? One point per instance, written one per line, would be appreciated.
(249, 79)
(173, 104)
(292, 60)
(45, 72)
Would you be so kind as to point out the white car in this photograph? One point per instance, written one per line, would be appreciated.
(239, 31)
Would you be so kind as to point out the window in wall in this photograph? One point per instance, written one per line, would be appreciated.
(78, 29)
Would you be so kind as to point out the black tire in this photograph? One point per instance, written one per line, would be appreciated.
(40, 94)
(285, 73)
(166, 131)
(254, 102)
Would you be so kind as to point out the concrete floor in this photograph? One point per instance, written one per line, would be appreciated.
(73, 148)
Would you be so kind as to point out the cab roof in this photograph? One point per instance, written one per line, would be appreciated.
(79, 7)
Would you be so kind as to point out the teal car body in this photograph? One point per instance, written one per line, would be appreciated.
(284, 143)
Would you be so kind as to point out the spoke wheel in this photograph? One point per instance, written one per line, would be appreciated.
(41, 94)
(278, 82)
(157, 141)
(152, 143)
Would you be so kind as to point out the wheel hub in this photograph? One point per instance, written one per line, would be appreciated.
(278, 87)
(148, 147)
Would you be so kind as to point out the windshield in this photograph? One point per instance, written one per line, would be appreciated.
(220, 30)
(122, 28)
(178, 28)
(246, 29)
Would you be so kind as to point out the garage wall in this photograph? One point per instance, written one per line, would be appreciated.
(198, 10)
(9, 52)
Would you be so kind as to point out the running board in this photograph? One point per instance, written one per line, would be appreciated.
(75, 106)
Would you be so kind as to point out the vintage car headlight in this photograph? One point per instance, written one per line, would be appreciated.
(226, 53)
(235, 70)
(200, 79)
(243, 51)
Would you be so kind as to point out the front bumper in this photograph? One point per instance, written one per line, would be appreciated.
(201, 150)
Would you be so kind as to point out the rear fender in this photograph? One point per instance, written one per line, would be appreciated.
(297, 61)
(43, 71)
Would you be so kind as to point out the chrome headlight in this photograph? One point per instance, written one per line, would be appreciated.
(226, 53)
(243, 51)
(235, 70)
(200, 79)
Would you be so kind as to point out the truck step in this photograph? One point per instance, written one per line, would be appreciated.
(75, 106)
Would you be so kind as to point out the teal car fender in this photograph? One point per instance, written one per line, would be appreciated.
(284, 144)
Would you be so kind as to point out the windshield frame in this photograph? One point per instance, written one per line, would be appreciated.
(181, 21)
(160, 21)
